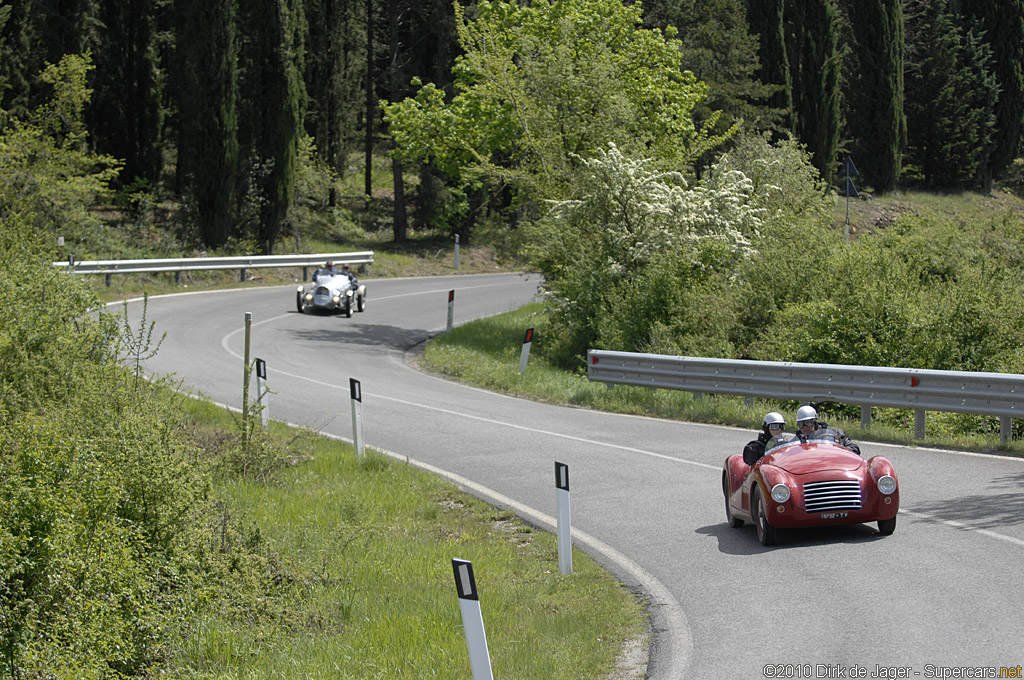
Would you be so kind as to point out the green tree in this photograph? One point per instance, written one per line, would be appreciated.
(540, 87)
(814, 61)
(950, 97)
(272, 102)
(1003, 26)
(207, 96)
(766, 20)
(719, 50)
(874, 90)
(335, 64)
(126, 115)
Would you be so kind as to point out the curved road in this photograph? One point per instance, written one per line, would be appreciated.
(939, 598)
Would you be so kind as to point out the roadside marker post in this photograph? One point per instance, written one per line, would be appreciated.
(357, 414)
(451, 309)
(472, 620)
(564, 523)
(456, 251)
(524, 356)
(262, 393)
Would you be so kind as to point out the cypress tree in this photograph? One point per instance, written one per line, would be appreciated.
(125, 117)
(812, 31)
(875, 90)
(333, 77)
(765, 18)
(206, 80)
(950, 97)
(1003, 24)
(272, 104)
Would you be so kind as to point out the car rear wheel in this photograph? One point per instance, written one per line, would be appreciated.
(886, 526)
(734, 522)
(766, 533)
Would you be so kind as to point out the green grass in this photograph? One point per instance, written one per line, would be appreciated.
(485, 353)
(361, 552)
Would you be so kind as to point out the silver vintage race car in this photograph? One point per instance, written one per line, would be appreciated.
(332, 293)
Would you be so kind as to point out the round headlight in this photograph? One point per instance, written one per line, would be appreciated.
(886, 484)
(780, 493)
(309, 296)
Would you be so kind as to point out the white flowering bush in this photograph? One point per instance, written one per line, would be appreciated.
(623, 260)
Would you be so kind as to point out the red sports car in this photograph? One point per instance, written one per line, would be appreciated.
(809, 484)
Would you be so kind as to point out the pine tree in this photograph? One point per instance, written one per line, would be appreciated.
(874, 92)
(206, 82)
(812, 38)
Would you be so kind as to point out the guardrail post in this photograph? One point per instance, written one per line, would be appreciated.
(177, 277)
(472, 620)
(1005, 430)
(918, 423)
(241, 275)
(865, 417)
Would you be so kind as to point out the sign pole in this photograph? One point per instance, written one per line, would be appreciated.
(357, 415)
(564, 523)
(472, 620)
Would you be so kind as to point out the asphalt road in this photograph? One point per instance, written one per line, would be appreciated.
(939, 598)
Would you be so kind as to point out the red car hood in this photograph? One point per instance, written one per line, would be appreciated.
(800, 459)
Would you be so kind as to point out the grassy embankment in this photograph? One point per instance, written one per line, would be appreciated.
(362, 550)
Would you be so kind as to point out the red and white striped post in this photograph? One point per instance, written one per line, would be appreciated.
(472, 620)
(564, 523)
(357, 414)
(524, 356)
(451, 309)
(261, 391)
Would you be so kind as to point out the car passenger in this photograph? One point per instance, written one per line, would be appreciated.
(809, 427)
(326, 271)
(772, 434)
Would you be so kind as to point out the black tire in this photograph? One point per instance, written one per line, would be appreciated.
(766, 533)
(887, 526)
(348, 309)
(360, 303)
(734, 521)
(298, 302)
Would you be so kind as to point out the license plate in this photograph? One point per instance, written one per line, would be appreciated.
(834, 515)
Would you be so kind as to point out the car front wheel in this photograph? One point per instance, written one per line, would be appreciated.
(298, 303)
(766, 533)
(886, 526)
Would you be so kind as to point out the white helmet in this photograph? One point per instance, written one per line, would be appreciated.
(773, 418)
(805, 413)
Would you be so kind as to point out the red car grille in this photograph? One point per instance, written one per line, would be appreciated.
(828, 496)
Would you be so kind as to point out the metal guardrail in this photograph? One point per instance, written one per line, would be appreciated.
(186, 264)
(992, 394)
